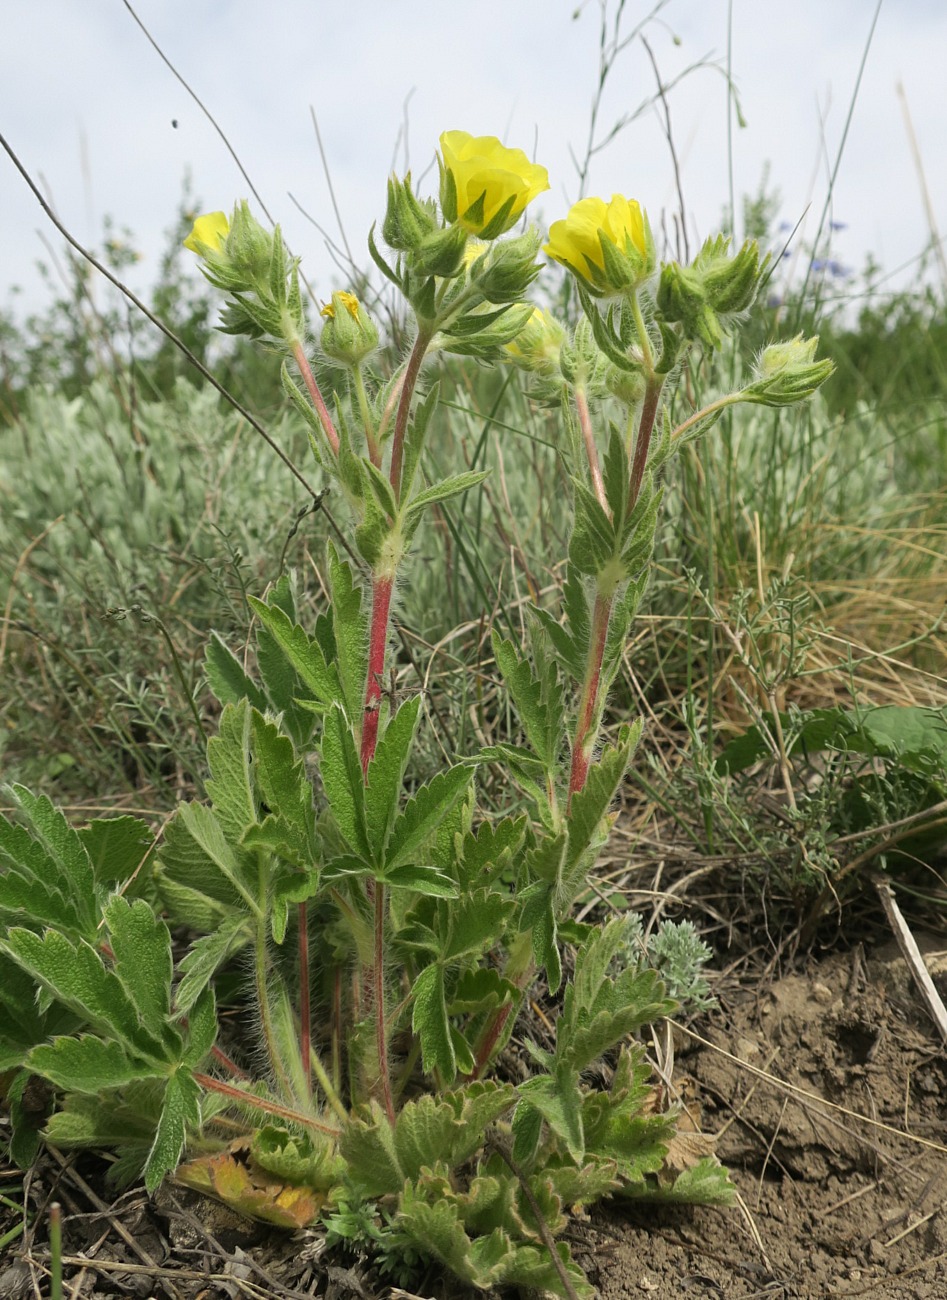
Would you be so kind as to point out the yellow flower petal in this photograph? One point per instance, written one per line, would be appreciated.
(209, 231)
(484, 169)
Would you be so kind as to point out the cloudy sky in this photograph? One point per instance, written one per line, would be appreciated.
(90, 108)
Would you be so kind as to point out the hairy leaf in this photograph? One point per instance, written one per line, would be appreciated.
(180, 1114)
(228, 679)
(386, 774)
(423, 814)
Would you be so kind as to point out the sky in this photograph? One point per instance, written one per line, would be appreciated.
(105, 127)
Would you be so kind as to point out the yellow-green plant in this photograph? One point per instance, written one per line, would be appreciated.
(422, 923)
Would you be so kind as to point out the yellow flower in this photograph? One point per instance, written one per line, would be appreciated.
(346, 300)
(485, 186)
(209, 231)
(608, 245)
(538, 343)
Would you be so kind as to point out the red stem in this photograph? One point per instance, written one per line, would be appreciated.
(491, 1037)
(378, 636)
(649, 410)
(259, 1103)
(325, 419)
(404, 407)
(226, 1062)
(582, 745)
(305, 1011)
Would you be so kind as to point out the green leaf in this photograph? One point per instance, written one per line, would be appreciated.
(479, 990)
(282, 784)
(445, 489)
(189, 882)
(141, 943)
(537, 702)
(386, 774)
(427, 880)
(591, 803)
(230, 785)
(73, 972)
(302, 653)
(119, 848)
(24, 893)
(88, 1065)
(559, 1101)
(71, 864)
(423, 814)
(477, 922)
(342, 781)
(705, 1183)
(414, 438)
(429, 1021)
(207, 833)
(201, 1030)
(228, 679)
(593, 541)
(180, 1113)
(350, 631)
(616, 474)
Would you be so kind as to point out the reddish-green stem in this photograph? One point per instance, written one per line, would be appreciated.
(378, 636)
(588, 437)
(491, 1036)
(412, 370)
(649, 411)
(584, 736)
(315, 394)
(260, 1103)
(305, 1009)
(231, 1066)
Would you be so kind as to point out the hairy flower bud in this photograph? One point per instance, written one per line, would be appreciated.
(349, 334)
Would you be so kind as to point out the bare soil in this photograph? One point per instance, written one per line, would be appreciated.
(822, 1087)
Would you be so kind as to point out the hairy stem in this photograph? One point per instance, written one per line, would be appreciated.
(266, 1014)
(591, 451)
(412, 370)
(584, 733)
(315, 393)
(211, 1084)
(378, 637)
(649, 411)
(305, 1009)
(381, 1029)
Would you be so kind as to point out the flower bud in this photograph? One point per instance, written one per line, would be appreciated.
(714, 286)
(582, 362)
(788, 373)
(508, 270)
(485, 187)
(407, 219)
(349, 334)
(537, 346)
(607, 246)
(209, 232)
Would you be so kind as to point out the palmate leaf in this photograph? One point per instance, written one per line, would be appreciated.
(141, 943)
(206, 832)
(74, 973)
(423, 814)
(283, 786)
(448, 1129)
(538, 702)
(429, 1021)
(47, 860)
(119, 848)
(489, 851)
(22, 1023)
(559, 1100)
(591, 803)
(191, 884)
(89, 1065)
(302, 654)
(180, 1113)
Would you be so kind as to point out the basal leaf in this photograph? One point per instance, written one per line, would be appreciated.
(119, 848)
(74, 973)
(477, 922)
(141, 943)
(422, 880)
(201, 1030)
(88, 1065)
(429, 1021)
(559, 1101)
(66, 852)
(180, 1113)
(205, 956)
(207, 833)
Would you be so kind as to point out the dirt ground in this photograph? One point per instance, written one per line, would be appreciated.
(811, 1082)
